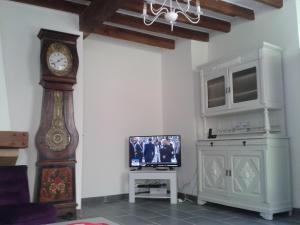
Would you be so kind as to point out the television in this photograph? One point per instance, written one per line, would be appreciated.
(155, 151)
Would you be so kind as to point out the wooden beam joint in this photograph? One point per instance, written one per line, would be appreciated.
(96, 13)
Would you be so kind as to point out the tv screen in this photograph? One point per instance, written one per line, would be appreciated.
(155, 151)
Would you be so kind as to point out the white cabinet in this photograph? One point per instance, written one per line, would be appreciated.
(251, 81)
(253, 174)
(243, 151)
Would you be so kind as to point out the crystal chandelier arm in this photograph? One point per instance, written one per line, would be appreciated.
(198, 8)
(190, 18)
(152, 20)
(193, 20)
(156, 14)
(159, 10)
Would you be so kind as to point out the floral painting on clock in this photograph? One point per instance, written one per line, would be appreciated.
(56, 184)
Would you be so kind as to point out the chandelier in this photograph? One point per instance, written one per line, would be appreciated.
(171, 9)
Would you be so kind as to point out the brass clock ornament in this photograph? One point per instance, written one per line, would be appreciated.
(57, 137)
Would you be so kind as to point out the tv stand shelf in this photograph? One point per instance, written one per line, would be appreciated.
(149, 195)
(153, 175)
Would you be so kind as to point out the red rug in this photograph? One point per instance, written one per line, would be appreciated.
(85, 223)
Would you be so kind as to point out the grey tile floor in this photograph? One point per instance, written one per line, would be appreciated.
(161, 212)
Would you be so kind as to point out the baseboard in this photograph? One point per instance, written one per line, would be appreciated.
(104, 199)
(192, 198)
(296, 211)
(113, 198)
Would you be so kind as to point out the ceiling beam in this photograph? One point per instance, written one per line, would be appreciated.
(226, 8)
(134, 36)
(56, 4)
(275, 3)
(96, 13)
(159, 27)
(205, 22)
(209, 23)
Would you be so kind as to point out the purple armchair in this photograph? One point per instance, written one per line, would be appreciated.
(15, 208)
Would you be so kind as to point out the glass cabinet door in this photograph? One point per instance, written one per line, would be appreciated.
(214, 97)
(244, 81)
(216, 92)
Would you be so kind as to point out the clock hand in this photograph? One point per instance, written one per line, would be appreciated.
(59, 60)
(55, 63)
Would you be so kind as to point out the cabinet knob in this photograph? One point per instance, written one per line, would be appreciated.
(211, 144)
(244, 143)
(227, 90)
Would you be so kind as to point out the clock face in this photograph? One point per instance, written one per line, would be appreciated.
(59, 59)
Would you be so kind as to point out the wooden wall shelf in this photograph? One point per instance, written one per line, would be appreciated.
(13, 140)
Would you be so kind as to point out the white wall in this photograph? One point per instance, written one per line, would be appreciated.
(199, 52)
(179, 94)
(122, 97)
(277, 27)
(4, 113)
(19, 26)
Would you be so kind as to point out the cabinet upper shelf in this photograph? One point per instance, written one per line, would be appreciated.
(248, 82)
(243, 95)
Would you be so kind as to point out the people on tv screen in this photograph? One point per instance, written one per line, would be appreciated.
(154, 150)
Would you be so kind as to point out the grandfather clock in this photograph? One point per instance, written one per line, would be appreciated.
(57, 137)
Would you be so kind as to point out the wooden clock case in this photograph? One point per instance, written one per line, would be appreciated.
(57, 137)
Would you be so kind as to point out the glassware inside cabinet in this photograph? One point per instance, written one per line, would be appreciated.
(245, 85)
(216, 92)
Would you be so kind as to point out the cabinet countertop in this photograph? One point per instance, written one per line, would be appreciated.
(243, 138)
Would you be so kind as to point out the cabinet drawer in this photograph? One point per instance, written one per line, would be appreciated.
(235, 142)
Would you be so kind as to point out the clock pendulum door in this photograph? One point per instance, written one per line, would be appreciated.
(57, 137)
